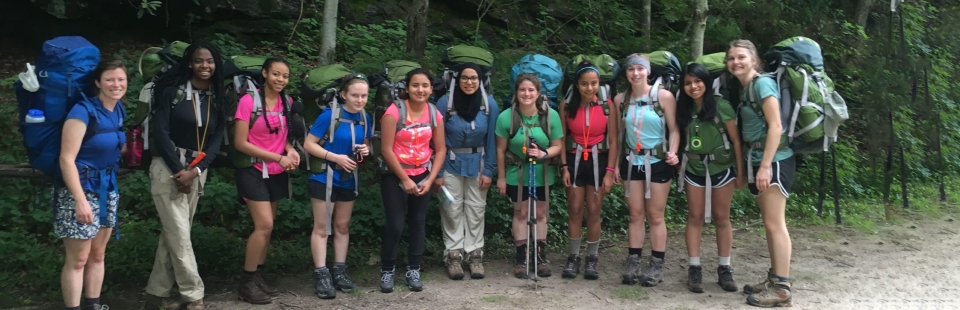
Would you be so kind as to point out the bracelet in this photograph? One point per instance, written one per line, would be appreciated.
(325, 155)
(281, 158)
(610, 169)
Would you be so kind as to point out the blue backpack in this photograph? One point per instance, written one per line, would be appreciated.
(547, 69)
(65, 72)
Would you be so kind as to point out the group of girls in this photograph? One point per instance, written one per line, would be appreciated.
(458, 145)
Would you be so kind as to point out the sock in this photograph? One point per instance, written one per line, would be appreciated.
(341, 264)
(725, 261)
(782, 279)
(521, 256)
(249, 273)
(74, 308)
(260, 267)
(593, 247)
(635, 251)
(658, 254)
(91, 301)
(695, 261)
(413, 267)
(322, 268)
(574, 246)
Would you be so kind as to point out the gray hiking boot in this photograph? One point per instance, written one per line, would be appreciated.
(341, 280)
(695, 279)
(778, 294)
(572, 269)
(591, 272)
(654, 273)
(386, 280)
(632, 275)
(725, 278)
(413, 280)
(324, 284)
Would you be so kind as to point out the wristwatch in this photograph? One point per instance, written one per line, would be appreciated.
(199, 172)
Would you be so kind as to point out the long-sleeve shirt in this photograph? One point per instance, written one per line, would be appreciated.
(460, 134)
(176, 125)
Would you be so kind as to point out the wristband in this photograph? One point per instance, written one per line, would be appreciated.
(199, 172)
(610, 169)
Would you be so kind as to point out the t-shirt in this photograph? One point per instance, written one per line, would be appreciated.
(643, 123)
(102, 150)
(712, 141)
(755, 126)
(595, 131)
(260, 134)
(341, 142)
(529, 127)
(412, 146)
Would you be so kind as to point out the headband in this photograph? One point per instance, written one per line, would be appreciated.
(589, 68)
(637, 60)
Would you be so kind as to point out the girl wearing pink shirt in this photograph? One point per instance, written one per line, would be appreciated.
(263, 184)
(413, 163)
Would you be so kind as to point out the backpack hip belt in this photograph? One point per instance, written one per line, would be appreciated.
(751, 146)
(469, 150)
(631, 155)
(331, 166)
(595, 149)
(705, 159)
(108, 178)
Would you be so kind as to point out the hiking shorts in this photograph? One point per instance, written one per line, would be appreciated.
(660, 172)
(783, 173)
(512, 193)
(318, 191)
(584, 177)
(717, 180)
(252, 186)
(65, 223)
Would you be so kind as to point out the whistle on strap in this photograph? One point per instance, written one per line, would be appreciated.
(198, 159)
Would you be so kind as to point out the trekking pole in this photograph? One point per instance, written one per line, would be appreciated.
(532, 216)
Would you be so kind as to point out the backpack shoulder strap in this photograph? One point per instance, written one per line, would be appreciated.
(432, 109)
(514, 122)
(401, 113)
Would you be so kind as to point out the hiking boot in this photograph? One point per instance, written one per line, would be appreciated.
(632, 275)
(760, 287)
(520, 270)
(262, 284)
(476, 264)
(341, 280)
(194, 305)
(654, 273)
(324, 284)
(543, 269)
(96, 307)
(591, 272)
(386, 280)
(454, 258)
(778, 295)
(572, 268)
(413, 280)
(250, 292)
(725, 278)
(153, 302)
(695, 279)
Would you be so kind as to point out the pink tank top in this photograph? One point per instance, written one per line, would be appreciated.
(588, 134)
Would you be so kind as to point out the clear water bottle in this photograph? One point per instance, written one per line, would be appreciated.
(34, 116)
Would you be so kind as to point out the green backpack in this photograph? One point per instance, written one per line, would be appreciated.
(389, 84)
(724, 83)
(813, 109)
(460, 54)
(665, 70)
(609, 72)
(320, 91)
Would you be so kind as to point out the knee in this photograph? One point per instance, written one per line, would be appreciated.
(721, 220)
(320, 231)
(774, 225)
(695, 217)
(655, 220)
(77, 264)
(542, 214)
(264, 228)
(96, 257)
(520, 212)
(576, 212)
(342, 228)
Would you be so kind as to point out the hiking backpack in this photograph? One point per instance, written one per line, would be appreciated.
(319, 90)
(665, 70)
(546, 69)
(453, 58)
(724, 84)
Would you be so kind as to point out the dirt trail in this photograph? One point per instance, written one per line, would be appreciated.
(909, 266)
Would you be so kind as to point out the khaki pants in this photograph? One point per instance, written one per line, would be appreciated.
(175, 262)
(463, 221)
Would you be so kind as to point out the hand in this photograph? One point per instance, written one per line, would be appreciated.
(185, 177)
(82, 208)
(535, 152)
(485, 182)
(566, 177)
(438, 182)
(616, 176)
(287, 163)
(502, 185)
(423, 190)
(183, 189)
(672, 159)
(363, 149)
(292, 154)
(410, 186)
(764, 174)
(608, 181)
(344, 161)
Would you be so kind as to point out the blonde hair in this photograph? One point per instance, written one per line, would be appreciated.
(752, 49)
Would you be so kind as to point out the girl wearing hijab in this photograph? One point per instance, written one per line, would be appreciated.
(471, 118)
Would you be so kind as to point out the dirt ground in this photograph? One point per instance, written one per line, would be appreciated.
(910, 265)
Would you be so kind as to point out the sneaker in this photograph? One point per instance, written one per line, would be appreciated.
(453, 260)
(725, 278)
(591, 272)
(194, 305)
(572, 268)
(632, 275)
(341, 280)
(760, 287)
(654, 273)
(386, 280)
(250, 292)
(695, 279)
(413, 280)
(153, 302)
(476, 264)
(324, 285)
(543, 268)
(262, 284)
(777, 295)
(520, 271)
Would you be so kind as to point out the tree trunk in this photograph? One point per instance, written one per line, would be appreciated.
(417, 28)
(328, 40)
(699, 27)
(646, 24)
(863, 12)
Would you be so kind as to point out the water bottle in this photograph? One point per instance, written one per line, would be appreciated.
(34, 116)
(134, 153)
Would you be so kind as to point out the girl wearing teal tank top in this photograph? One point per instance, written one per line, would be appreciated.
(650, 142)
(773, 178)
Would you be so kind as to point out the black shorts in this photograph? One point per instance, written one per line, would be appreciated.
(783, 172)
(717, 180)
(252, 186)
(318, 191)
(660, 172)
(584, 177)
(512, 193)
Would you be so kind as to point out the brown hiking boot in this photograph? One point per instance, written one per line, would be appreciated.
(454, 258)
(194, 305)
(250, 292)
(725, 278)
(759, 287)
(520, 271)
(476, 264)
(695, 279)
(778, 295)
(153, 302)
(262, 284)
(543, 269)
